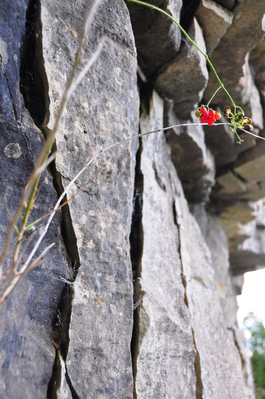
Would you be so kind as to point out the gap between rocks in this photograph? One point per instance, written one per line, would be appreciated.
(35, 90)
(197, 364)
(136, 242)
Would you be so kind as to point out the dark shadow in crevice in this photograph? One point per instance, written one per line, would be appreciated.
(33, 79)
(136, 242)
(55, 380)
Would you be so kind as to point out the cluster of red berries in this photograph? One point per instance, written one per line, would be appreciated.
(207, 116)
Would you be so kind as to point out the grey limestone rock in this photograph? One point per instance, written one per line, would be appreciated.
(102, 111)
(192, 159)
(157, 38)
(216, 352)
(26, 350)
(189, 65)
(165, 350)
(145, 230)
(214, 21)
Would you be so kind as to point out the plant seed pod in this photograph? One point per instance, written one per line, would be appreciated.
(248, 127)
(228, 113)
(247, 121)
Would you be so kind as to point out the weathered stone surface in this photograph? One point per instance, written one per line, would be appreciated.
(193, 161)
(26, 350)
(217, 242)
(99, 357)
(223, 143)
(157, 38)
(81, 297)
(210, 332)
(171, 82)
(229, 4)
(246, 179)
(207, 320)
(164, 321)
(233, 219)
(256, 59)
(214, 21)
(249, 253)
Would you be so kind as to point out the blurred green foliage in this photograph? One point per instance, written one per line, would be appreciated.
(255, 338)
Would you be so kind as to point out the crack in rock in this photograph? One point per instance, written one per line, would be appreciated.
(136, 241)
(197, 364)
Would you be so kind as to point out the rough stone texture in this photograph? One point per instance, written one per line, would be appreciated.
(249, 254)
(164, 321)
(99, 356)
(26, 350)
(245, 180)
(223, 143)
(216, 352)
(229, 4)
(192, 159)
(188, 63)
(183, 340)
(157, 38)
(210, 331)
(224, 285)
(214, 21)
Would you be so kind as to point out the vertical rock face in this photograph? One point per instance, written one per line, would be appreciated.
(26, 351)
(164, 321)
(137, 296)
(102, 111)
(180, 304)
(93, 355)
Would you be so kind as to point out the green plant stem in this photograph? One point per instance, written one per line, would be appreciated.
(202, 52)
(216, 91)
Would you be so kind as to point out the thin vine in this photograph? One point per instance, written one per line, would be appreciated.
(237, 118)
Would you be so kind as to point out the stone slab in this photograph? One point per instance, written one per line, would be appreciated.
(214, 21)
(157, 38)
(102, 111)
(165, 360)
(188, 67)
(26, 319)
(192, 159)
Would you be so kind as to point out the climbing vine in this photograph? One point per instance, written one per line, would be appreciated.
(206, 114)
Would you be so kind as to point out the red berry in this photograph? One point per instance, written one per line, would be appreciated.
(217, 116)
(211, 117)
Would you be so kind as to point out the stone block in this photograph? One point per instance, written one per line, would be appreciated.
(193, 161)
(157, 38)
(223, 143)
(214, 21)
(102, 111)
(207, 321)
(229, 4)
(163, 316)
(186, 70)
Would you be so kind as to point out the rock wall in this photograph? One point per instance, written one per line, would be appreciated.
(137, 298)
